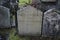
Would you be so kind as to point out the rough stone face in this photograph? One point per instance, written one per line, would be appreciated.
(29, 21)
(51, 23)
(3, 1)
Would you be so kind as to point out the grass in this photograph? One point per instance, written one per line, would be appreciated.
(12, 35)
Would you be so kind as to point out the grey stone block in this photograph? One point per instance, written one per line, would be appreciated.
(4, 17)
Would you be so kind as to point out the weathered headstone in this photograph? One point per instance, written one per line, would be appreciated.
(51, 23)
(4, 17)
(29, 21)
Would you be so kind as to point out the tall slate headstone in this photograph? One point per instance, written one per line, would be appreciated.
(4, 17)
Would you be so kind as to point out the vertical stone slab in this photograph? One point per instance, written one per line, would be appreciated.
(4, 17)
(29, 21)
